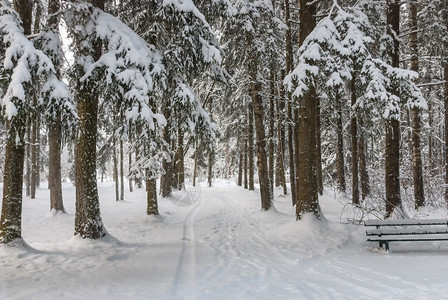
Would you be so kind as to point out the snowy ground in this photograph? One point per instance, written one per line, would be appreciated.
(212, 243)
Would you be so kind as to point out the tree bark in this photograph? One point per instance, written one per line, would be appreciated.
(55, 132)
(289, 63)
(88, 222)
(445, 77)
(417, 164)
(320, 183)
(54, 176)
(262, 161)
(28, 157)
(340, 161)
(115, 160)
(121, 171)
(250, 121)
(271, 129)
(245, 164)
(240, 170)
(393, 197)
(280, 164)
(165, 181)
(354, 137)
(180, 165)
(364, 175)
(195, 168)
(307, 199)
(131, 189)
(11, 217)
(151, 192)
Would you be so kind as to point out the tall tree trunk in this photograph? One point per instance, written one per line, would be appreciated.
(55, 131)
(340, 161)
(320, 183)
(165, 181)
(364, 175)
(115, 160)
(393, 197)
(240, 170)
(34, 165)
(195, 168)
(307, 200)
(245, 164)
(271, 129)
(129, 171)
(419, 193)
(280, 164)
(262, 161)
(250, 121)
(211, 152)
(88, 222)
(354, 137)
(180, 160)
(445, 77)
(28, 157)
(289, 63)
(35, 148)
(121, 171)
(54, 177)
(151, 192)
(11, 216)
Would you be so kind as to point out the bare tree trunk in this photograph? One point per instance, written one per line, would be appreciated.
(354, 137)
(11, 218)
(419, 193)
(211, 153)
(55, 131)
(262, 161)
(271, 129)
(251, 146)
(445, 77)
(180, 161)
(115, 160)
(165, 181)
(240, 170)
(28, 157)
(393, 197)
(280, 164)
(289, 63)
(54, 177)
(151, 192)
(307, 199)
(129, 170)
(34, 165)
(138, 181)
(121, 171)
(195, 170)
(320, 183)
(364, 175)
(340, 151)
(245, 165)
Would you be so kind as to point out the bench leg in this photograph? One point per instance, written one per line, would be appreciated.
(384, 243)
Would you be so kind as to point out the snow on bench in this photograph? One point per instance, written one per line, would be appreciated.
(386, 231)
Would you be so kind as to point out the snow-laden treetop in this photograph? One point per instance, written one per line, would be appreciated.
(23, 66)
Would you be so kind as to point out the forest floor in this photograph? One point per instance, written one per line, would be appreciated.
(212, 243)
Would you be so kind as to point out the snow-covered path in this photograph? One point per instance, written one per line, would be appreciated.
(212, 243)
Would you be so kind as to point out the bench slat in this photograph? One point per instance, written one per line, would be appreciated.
(410, 222)
(406, 239)
(406, 231)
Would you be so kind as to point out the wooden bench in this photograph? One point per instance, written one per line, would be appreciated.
(385, 231)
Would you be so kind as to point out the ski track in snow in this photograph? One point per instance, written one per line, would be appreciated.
(215, 244)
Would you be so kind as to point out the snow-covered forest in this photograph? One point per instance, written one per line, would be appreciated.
(211, 149)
